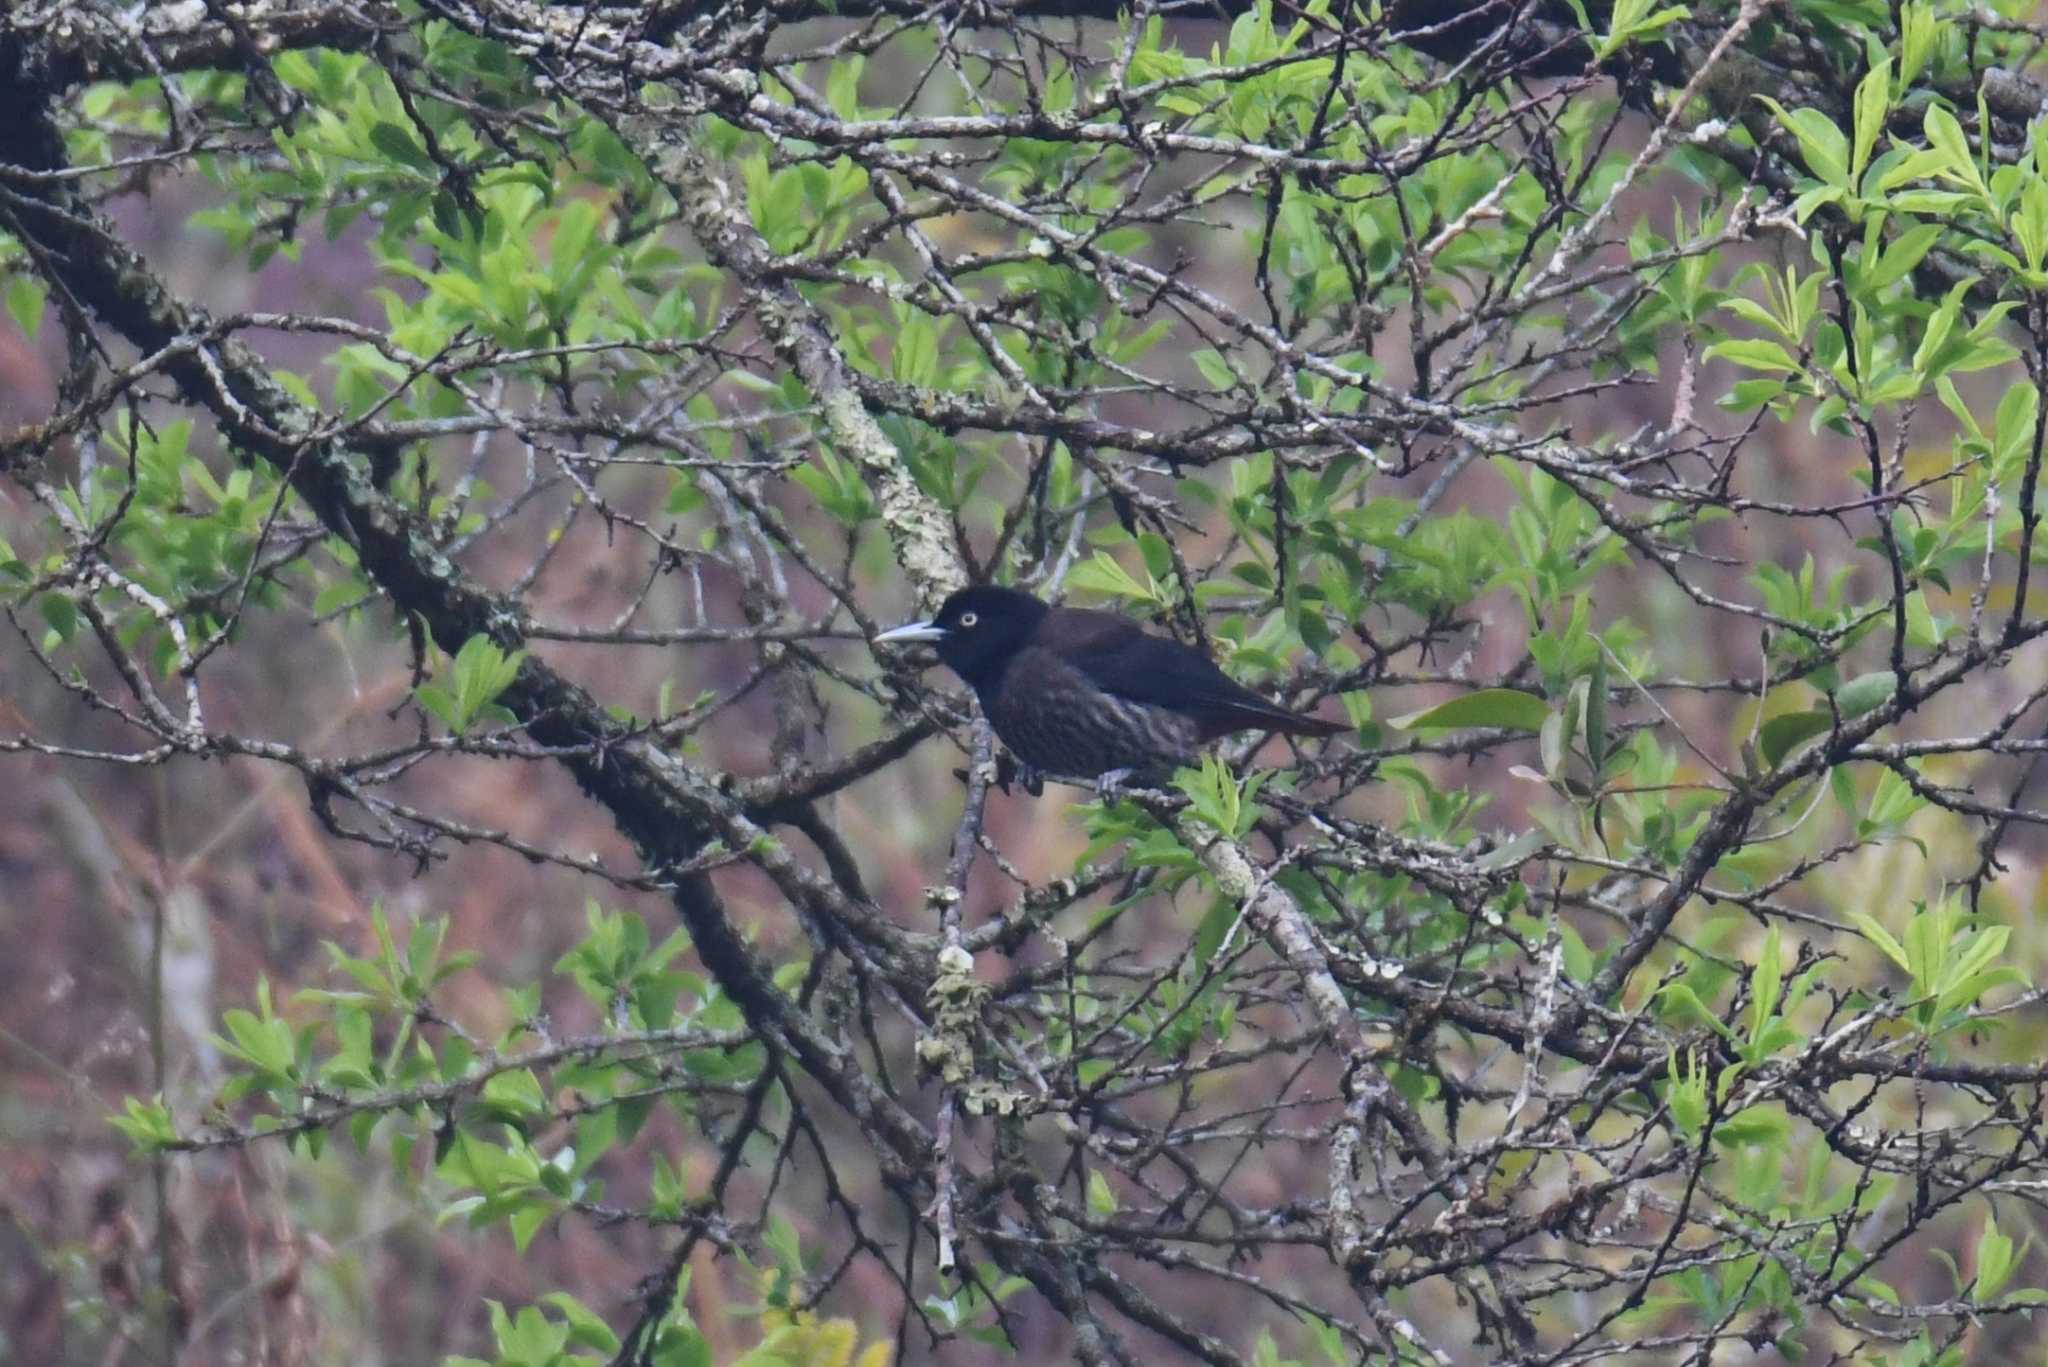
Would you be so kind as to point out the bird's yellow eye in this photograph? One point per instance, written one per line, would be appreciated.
(968, 619)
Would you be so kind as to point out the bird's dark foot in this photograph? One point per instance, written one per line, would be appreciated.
(1031, 779)
(1109, 783)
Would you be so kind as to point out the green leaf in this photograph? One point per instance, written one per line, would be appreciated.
(1214, 368)
(1995, 1259)
(60, 613)
(586, 1328)
(1508, 708)
(25, 300)
(1945, 135)
(1760, 1125)
(1101, 1200)
(1754, 353)
(1218, 798)
(1873, 102)
(2018, 411)
(1513, 852)
(1682, 1006)
(1882, 938)
(146, 1124)
(400, 145)
(1782, 734)
(1822, 145)
(1901, 256)
(1865, 693)
(1686, 1093)
(483, 670)
(1596, 713)
(1102, 574)
(1764, 985)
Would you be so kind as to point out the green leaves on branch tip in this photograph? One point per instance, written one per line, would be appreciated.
(1101, 573)
(1218, 798)
(483, 670)
(837, 485)
(146, 1124)
(1629, 21)
(1949, 962)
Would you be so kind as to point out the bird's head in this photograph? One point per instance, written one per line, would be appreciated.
(977, 631)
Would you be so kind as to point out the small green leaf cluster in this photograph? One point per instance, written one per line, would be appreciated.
(481, 671)
(1949, 963)
(380, 1056)
(576, 1336)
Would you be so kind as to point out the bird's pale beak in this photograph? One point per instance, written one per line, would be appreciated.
(911, 632)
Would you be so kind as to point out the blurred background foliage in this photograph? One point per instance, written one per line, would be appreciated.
(456, 456)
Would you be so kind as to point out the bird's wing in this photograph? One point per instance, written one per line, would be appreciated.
(1120, 658)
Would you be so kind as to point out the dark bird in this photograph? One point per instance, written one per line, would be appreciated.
(1087, 694)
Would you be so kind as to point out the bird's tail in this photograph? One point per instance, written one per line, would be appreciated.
(1256, 714)
(1301, 724)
